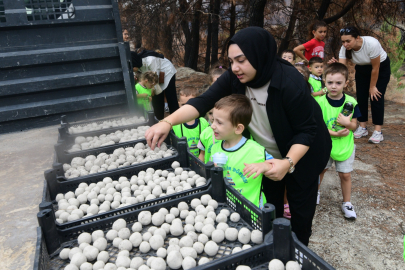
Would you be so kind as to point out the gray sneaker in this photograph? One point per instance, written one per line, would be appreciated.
(348, 210)
(377, 137)
(360, 132)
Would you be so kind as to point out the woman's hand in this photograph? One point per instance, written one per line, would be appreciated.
(279, 170)
(256, 168)
(374, 93)
(157, 134)
(332, 60)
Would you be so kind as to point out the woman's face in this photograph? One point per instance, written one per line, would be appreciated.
(349, 42)
(125, 35)
(240, 64)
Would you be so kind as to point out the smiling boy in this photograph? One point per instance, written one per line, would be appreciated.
(232, 114)
(340, 129)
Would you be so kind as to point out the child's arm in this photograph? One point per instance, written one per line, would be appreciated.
(319, 93)
(346, 122)
(298, 51)
(202, 155)
(142, 95)
(341, 133)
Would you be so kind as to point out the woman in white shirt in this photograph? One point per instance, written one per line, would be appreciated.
(372, 76)
(153, 61)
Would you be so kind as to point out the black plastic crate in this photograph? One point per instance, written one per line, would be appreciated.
(66, 138)
(180, 151)
(286, 247)
(56, 239)
(48, 201)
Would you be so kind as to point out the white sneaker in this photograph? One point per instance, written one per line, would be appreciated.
(318, 197)
(360, 132)
(348, 210)
(377, 137)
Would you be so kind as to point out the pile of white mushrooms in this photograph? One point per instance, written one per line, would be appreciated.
(184, 236)
(106, 124)
(121, 157)
(119, 136)
(108, 194)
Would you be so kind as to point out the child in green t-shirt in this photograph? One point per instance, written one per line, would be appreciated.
(191, 130)
(316, 69)
(144, 89)
(340, 128)
(243, 160)
(207, 139)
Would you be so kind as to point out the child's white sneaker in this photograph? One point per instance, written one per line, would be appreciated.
(360, 132)
(348, 210)
(318, 197)
(377, 137)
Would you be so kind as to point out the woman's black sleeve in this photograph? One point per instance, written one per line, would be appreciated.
(221, 88)
(299, 108)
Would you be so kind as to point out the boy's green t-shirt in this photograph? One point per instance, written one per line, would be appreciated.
(207, 139)
(316, 84)
(342, 147)
(249, 152)
(192, 134)
(143, 101)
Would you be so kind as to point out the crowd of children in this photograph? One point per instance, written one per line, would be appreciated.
(219, 139)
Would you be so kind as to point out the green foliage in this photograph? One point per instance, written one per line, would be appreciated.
(396, 54)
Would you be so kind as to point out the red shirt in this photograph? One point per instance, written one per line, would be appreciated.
(314, 48)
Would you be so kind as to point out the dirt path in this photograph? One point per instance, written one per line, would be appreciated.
(375, 239)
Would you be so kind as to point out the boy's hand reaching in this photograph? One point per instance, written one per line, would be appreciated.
(256, 168)
(344, 120)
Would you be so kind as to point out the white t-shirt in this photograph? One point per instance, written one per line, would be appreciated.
(156, 64)
(370, 49)
(260, 127)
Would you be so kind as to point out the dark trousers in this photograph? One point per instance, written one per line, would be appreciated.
(363, 77)
(302, 202)
(158, 101)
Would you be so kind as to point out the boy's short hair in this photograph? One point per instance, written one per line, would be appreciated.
(289, 51)
(189, 91)
(337, 68)
(239, 107)
(314, 60)
(151, 76)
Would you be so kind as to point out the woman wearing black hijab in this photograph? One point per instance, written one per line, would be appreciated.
(286, 120)
(153, 61)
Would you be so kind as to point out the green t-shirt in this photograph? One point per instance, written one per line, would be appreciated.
(342, 147)
(249, 152)
(316, 85)
(143, 101)
(207, 139)
(192, 133)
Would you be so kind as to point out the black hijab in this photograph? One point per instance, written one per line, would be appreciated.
(146, 53)
(260, 48)
(136, 60)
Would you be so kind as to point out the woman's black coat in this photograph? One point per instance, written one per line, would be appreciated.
(295, 117)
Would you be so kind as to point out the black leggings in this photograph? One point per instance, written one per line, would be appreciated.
(363, 77)
(158, 101)
(302, 203)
